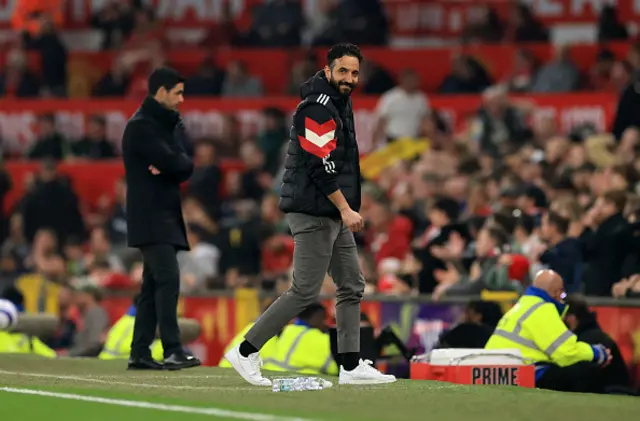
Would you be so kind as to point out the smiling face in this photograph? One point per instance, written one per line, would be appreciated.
(343, 74)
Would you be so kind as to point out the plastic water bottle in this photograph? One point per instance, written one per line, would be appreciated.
(297, 384)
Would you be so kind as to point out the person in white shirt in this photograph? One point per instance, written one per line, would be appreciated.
(401, 109)
(199, 265)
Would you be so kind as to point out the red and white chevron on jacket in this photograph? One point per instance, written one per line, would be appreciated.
(319, 139)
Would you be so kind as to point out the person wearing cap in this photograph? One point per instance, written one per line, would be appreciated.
(535, 327)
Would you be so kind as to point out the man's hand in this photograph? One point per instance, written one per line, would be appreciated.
(154, 170)
(605, 355)
(352, 219)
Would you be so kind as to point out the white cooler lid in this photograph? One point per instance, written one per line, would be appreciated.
(476, 356)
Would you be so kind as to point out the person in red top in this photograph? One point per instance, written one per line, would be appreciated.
(277, 255)
(388, 235)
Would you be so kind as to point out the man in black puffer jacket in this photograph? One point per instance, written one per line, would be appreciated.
(321, 197)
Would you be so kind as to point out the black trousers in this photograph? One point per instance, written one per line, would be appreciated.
(158, 301)
(583, 377)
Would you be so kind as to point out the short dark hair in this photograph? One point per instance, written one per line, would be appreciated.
(577, 305)
(448, 206)
(499, 235)
(617, 198)
(526, 222)
(560, 222)
(342, 50)
(163, 77)
(490, 311)
(311, 310)
(504, 220)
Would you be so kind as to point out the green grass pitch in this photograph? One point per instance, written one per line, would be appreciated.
(33, 389)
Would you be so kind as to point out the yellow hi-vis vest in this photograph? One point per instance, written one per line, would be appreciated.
(266, 352)
(535, 327)
(118, 343)
(303, 349)
(19, 343)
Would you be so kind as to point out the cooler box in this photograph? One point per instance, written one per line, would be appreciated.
(474, 366)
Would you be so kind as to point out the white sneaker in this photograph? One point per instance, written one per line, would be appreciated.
(364, 373)
(247, 367)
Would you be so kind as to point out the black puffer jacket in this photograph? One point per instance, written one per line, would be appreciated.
(323, 153)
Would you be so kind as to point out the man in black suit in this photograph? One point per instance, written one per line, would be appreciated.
(155, 164)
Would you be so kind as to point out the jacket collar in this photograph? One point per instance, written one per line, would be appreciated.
(540, 293)
(590, 322)
(159, 113)
(318, 84)
(300, 322)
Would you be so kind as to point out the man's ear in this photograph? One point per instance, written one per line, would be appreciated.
(327, 72)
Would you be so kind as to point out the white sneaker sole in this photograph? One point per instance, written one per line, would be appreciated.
(233, 359)
(366, 381)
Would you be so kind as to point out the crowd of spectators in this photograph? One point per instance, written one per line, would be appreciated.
(138, 41)
(480, 209)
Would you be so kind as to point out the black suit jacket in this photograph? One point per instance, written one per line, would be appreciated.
(604, 252)
(154, 136)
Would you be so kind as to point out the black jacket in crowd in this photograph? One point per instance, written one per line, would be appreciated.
(323, 153)
(605, 252)
(616, 374)
(154, 136)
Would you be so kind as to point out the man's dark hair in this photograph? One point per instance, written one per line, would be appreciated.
(560, 222)
(311, 310)
(490, 311)
(577, 305)
(14, 295)
(526, 222)
(448, 206)
(164, 77)
(504, 220)
(342, 50)
(499, 235)
(616, 197)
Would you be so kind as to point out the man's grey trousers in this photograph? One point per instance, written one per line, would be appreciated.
(321, 245)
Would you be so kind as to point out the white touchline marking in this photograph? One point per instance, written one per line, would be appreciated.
(143, 377)
(98, 380)
(157, 406)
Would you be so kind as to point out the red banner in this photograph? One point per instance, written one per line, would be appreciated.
(408, 18)
(447, 18)
(204, 118)
(623, 325)
(173, 13)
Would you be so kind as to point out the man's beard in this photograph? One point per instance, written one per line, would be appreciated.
(338, 85)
